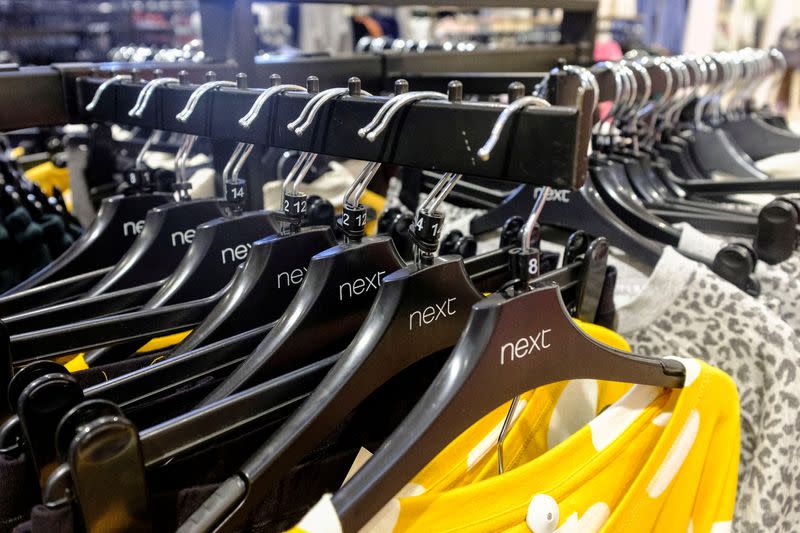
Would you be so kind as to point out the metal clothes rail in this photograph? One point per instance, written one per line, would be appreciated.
(540, 146)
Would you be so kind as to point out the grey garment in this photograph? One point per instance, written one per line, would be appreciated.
(780, 284)
(685, 309)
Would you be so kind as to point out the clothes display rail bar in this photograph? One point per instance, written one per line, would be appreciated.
(451, 128)
(229, 37)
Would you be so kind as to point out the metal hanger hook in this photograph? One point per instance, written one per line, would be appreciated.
(313, 106)
(102, 88)
(390, 108)
(247, 120)
(298, 171)
(236, 161)
(146, 93)
(437, 195)
(352, 197)
(182, 157)
(485, 151)
(153, 138)
(198, 93)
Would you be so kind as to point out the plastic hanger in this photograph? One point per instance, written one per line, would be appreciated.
(758, 138)
(108, 238)
(713, 148)
(334, 298)
(168, 230)
(583, 209)
(275, 266)
(167, 233)
(422, 307)
(218, 246)
(641, 195)
(50, 293)
(482, 361)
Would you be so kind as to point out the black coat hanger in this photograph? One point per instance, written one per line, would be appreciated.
(103, 244)
(221, 357)
(486, 359)
(263, 289)
(82, 309)
(136, 327)
(341, 282)
(50, 293)
(326, 312)
(219, 246)
(167, 233)
(481, 361)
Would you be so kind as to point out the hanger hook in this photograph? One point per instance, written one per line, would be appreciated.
(182, 157)
(313, 106)
(146, 93)
(102, 88)
(352, 197)
(390, 108)
(233, 160)
(247, 120)
(198, 93)
(153, 138)
(485, 151)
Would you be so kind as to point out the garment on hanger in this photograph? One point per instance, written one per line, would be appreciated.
(191, 479)
(685, 308)
(780, 284)
(654, 460)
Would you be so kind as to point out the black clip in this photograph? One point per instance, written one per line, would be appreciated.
(593, 276)
(577, 245)
(455, 242)
(40, 407)
(777, 234)
(397, 225)
(735, 263)
(102, 449)
(511, 234)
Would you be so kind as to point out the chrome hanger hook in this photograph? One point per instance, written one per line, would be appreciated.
(146, 93)
(102, 88)
(247, 120)
(233, 160)
(153, 138)
(313, 106)
(352, 197)
(182, 157)
(485, 151)
(198, 93)
(390, 108)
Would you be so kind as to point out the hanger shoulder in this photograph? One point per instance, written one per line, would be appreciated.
(326, 312)
(502, 353)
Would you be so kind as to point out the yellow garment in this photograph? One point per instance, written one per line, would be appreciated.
(376, 202)
(656, 460)
(47, 175)
(78, 363)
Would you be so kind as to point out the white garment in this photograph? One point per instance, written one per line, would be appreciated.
(332, 186)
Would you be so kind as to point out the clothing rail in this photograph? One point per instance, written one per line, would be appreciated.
(45, 95)
(434, 135)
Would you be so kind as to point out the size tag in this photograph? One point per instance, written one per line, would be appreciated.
(360, 460)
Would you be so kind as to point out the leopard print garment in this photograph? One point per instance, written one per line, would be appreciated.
(685, 309)
(780, 289)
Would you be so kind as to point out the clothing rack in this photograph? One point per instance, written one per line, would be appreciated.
(453, 131)
(231, 36)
